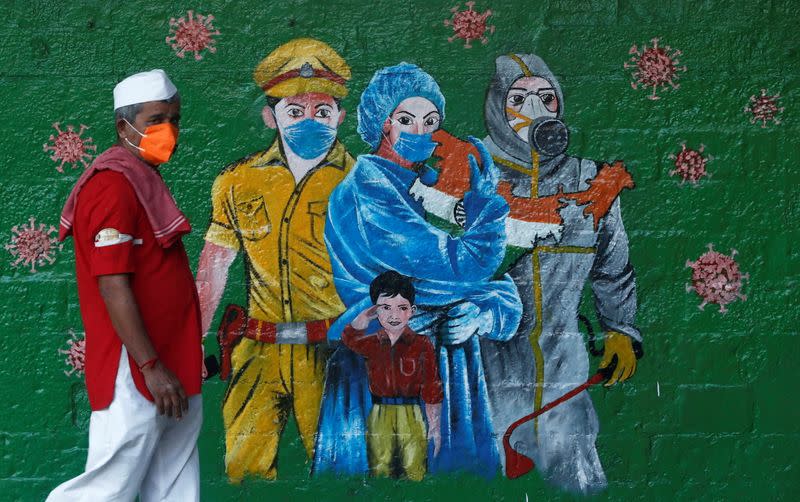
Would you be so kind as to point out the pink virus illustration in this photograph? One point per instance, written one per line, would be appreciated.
(33, 245)
(192, 33)
(75, 354)
(716, 278)
(690, 164)
(764, 108)
(654, 67)
(469, 25)
(70, 147)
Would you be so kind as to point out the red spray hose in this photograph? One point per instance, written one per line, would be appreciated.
(518, 464)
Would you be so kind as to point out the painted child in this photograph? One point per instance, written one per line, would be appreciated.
(401, 369)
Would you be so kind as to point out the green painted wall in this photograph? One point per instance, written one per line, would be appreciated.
(726, 424)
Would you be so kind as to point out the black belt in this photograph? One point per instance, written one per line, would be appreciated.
(394, 400)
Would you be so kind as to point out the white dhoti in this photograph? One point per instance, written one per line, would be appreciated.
(135, 451)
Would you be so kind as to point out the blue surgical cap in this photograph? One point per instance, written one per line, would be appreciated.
(387, 89)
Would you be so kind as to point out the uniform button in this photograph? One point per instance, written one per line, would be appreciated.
(317, 281)
(286, 220)
(285, 262)
(286, 302)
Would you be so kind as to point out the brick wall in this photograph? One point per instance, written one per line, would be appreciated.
(712, 411)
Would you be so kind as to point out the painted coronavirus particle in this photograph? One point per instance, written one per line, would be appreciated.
(33, 245)
(764, 108)
(70, 147)
(654, 67)
(716, 278)
(690, 164)
(75, 354)
(192, 33)
(469, 25)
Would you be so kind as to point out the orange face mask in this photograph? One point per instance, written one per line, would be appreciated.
(158, 142)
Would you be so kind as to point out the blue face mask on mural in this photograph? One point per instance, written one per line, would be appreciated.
(415, 147)
(309, 139)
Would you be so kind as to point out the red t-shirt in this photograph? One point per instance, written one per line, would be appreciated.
(161, 281)
(406, 369)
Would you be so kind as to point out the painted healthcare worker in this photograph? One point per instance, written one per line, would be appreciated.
(374, 225)
(528, 139)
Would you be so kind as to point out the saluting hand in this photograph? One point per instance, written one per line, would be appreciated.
(362, 320)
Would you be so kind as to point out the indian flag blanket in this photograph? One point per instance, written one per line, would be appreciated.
(441, 191)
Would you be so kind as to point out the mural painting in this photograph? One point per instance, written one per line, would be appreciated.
(75, 353)
(690, 164)
(504, 239)
(764, 108)
(654, 67)
(564, 228)
(33, 245)
(416, 293)
(469, 25)
(716, 278)
(70, 147)
(192, 33)
(271, 208)
(457, 296)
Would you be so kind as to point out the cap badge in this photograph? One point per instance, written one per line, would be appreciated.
(306, 71)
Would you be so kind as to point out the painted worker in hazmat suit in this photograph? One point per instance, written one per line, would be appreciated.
(547, 357)
(374, 225)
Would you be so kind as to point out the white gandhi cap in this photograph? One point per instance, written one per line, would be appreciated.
(153, 85)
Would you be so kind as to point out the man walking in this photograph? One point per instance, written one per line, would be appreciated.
(139, 309)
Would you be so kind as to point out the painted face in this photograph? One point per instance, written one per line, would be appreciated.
(394, 312)
(313, 105)
(307, 123)
(413, 115)
(528, 99)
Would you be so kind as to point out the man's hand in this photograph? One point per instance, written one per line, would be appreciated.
(123, 310)
(167, 391)
(463, 321)
(363, 319)
(621, 346)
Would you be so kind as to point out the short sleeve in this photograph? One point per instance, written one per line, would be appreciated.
(106, 216)
(432, 391)
(221, 230)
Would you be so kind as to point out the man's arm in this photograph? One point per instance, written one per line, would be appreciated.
(212, 275)
(123, 310)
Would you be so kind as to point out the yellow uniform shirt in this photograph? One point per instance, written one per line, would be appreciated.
(278, 224)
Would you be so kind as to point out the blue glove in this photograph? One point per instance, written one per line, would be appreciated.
(484, 183)
(463, 321)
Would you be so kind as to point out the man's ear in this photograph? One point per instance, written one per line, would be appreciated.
(413, 309)
(268, 115)
(342, 113)
(120, 128)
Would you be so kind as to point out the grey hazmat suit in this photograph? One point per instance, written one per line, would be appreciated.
(550, 282)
